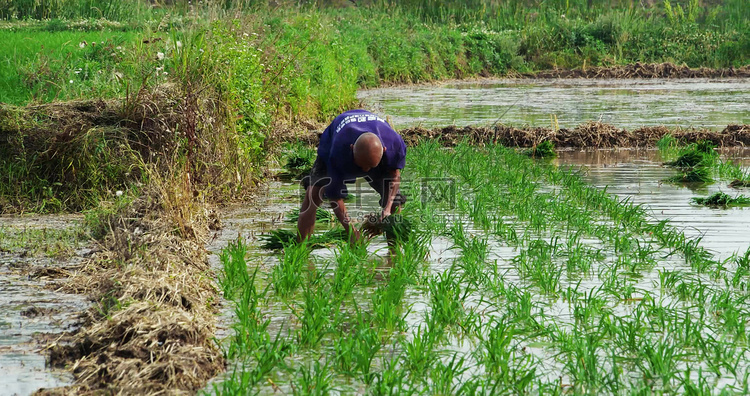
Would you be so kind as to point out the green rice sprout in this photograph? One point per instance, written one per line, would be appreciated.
(545, 149)
(698, 174)
(722, 199)
(321, 216)
(667, 142)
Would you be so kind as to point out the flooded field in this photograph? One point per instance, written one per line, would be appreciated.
(628, 104)
(531, 281)
(36, 252)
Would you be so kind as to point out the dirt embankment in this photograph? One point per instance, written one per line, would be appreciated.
(152, 324)
(588, 135)
(154, 301)
(643, 70)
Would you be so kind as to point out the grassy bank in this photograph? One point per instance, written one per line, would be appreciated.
(168, 110)
(338, 49)
(270, 67)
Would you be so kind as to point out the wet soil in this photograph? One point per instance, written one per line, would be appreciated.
(638, 175)
(34, 312)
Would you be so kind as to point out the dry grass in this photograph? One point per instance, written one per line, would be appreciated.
(647, 70)
(153, 319)
(591, 134)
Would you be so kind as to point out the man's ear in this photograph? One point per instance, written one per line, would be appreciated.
(384, 148)
(351, 147)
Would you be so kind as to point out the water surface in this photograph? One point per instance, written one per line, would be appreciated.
(627, 103)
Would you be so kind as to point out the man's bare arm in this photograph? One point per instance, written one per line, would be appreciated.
(339, 209)
(394, 177)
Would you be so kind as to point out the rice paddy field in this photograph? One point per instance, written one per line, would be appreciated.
(596, 272)
(127, 128)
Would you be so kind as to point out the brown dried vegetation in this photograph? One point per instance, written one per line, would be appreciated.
(644, 70)
(152, 325)
(588, 135)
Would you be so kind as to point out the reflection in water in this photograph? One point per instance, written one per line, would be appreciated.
(637, 174)
(624, 103)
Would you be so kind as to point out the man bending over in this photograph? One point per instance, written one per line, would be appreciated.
(356, 144)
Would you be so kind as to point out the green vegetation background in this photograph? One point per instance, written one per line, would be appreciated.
(267, 65)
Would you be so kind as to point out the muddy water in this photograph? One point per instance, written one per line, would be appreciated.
(638, 175)
(32, 313)
(627, 104)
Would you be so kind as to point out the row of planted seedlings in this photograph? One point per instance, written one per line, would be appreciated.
(628, 324)
(554, 285)
(336, 321)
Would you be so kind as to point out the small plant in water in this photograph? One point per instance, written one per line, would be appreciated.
(545, 149)
(698, 174)
(722, 199)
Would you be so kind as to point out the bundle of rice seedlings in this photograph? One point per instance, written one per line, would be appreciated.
(698, 174)
(688, 159)
(722, 199)
(545, 149)
(396, 227)
(321, 216)
(278, 239)
(697, 154)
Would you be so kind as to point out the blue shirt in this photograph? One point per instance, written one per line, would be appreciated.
(335, 148)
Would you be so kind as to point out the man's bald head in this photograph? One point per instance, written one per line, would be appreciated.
(368, 151)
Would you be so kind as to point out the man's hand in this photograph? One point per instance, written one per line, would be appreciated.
(339, 209)
(394, 182)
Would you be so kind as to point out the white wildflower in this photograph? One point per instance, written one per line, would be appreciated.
(119, 193)
(160, 55)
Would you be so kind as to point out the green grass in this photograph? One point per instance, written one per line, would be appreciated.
(44, 66)
(50, 242)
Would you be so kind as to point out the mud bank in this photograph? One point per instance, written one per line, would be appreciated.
(152, 323)
(588, 135)
(641, 70)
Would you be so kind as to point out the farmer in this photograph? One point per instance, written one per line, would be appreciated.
(356, 144)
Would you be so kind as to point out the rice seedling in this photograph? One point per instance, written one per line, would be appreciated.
(420, 353)
(392, 380)
(356, 353)
(446, 300)
(313, 379)
(299, 164)
(316, 313)
(289, 273)
(321, 216)
(545, 149)
(698, 174)
(445, 377)
(721, 199)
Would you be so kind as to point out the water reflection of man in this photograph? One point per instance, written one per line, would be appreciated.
(356, 144)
